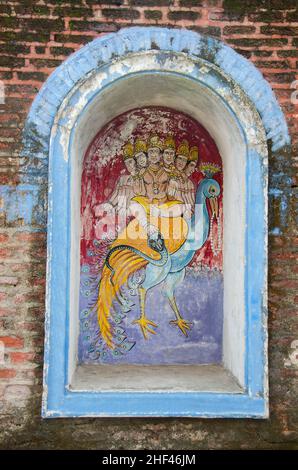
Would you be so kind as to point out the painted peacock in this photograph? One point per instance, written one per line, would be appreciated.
(162, 255)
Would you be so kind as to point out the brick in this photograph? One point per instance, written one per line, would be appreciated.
(238, 30)
(280, 4)
(24, 36)
(73, 38)
(153, 14)
(7, 312)
(36, 312)
(280, 30)
(5, 75)
(208, 30)
(97, 26)
(21, 357)
(151, 3)
(274, 64)
(286, 77)
(253, 42)
(32, 10)
(9, 22)
(292, 16)
(11, 62)
(8, 280)
(40, 49)
(45, 63)
(38, 76)
(7, 373)
(6, 9)
(288, 53)
(65, 51)
(71, 2)
(190, 3)
(267, 17)
(105, 2)
(247, 6)
(12, 341)
(28, 297)
(30, 237)
(7, 132)
(121, 13)
(42, 24)
(11, 48)
(72, 12)
(226, 16)
(183, 15)
(262, 53)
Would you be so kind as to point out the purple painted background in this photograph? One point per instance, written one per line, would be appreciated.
(203, 305)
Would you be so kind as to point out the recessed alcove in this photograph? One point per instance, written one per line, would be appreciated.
(104, 80)
(201, 103)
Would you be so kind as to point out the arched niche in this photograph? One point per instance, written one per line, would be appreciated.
(206, 80)
(116, 168)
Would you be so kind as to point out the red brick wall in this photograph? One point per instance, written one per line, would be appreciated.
(35, 37)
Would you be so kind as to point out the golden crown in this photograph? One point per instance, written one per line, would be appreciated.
(169, 143)
(183, 149)
(140, 146)
(154, 141)
(128, 150)
(193, 154)
(209, 169)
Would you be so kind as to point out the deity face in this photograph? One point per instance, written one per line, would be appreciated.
(154, 155)
(168, 156)
(131, 165)
(141, 159)
(190, 168)
(180, 162)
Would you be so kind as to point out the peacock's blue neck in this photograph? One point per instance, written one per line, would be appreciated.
(197, 234)
(199, 223)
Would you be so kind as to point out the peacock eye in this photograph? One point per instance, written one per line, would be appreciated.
(212, 190)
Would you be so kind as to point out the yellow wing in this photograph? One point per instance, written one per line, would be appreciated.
(125, 262)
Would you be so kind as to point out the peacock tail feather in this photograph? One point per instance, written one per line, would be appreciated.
(108, 290)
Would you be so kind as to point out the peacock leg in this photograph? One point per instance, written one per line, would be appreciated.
(143, 321)
(172, 280)
(180, 322)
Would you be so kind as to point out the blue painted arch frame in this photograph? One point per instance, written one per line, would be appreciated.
(58, 399)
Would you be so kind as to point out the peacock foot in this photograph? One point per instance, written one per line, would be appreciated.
(145, 324)
(182, 324)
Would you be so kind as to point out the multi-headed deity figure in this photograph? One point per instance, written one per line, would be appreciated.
(155, 177)
(157, 180)
(140, 154)
(127, 183)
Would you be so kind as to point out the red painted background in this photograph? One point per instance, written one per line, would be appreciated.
(103, 164)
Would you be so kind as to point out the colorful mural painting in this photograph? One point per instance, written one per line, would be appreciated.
(151, 242)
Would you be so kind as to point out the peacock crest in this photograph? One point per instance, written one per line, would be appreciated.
(209, 169)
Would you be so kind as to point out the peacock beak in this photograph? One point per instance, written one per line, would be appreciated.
(214, 206)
